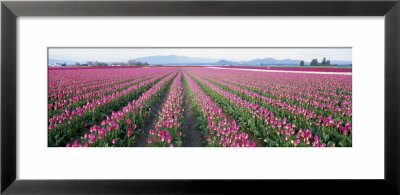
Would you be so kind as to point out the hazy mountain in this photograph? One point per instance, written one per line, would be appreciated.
(174, 59)
(227, 62)
(273, 61)
(184, 60)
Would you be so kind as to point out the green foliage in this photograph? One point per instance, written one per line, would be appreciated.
(257, 127)
(64, 132)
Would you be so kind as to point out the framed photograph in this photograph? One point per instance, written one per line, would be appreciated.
(222, 97)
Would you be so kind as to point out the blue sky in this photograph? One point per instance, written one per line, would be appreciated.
(235, 54)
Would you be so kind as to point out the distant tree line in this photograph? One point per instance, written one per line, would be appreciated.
(137, 63)
(314, 62)
(96, 63)
(99, 63)
(61, 64)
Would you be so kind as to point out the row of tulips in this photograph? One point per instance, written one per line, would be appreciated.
(120, 129)
(59, 93)
(68, 115)
(168, 130)
(74, 101)
(326, 94)
(299, 104)
(233, 108)
(283, 109)
(260, 121)
(217, 129)
(64, 83)
(70, 124)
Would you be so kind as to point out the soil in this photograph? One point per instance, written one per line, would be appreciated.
(252, 137)
(79, 136)
(141, 140)
(193, 136)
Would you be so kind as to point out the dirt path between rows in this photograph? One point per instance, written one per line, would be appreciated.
(193, 136)
(252, 137)
(79, 136)
(141, 140)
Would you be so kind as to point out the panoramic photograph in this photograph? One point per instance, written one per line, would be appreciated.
(199, 97)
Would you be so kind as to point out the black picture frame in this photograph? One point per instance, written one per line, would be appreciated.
(10, 10)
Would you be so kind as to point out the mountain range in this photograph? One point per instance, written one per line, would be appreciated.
(185, 60)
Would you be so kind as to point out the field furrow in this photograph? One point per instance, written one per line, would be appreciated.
(170, 106)
(69, 124)
(277, 128)
(214, 123)
(168, 130)
(120, 128)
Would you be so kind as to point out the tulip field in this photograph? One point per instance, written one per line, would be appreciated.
(223, 107)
